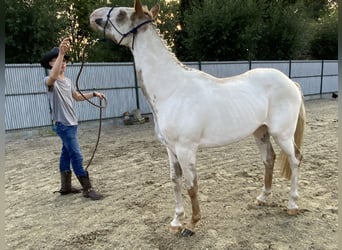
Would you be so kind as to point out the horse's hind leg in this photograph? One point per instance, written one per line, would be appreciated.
(263, 142)
(176, 178)
(294, 158)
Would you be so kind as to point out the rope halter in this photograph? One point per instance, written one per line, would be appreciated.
(133, 31)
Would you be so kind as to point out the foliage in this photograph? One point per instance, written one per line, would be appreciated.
(324, 44)
(217, 31)
(28, 25)
(194, 29)
(284, 32)
(253, 30)
(34, 27)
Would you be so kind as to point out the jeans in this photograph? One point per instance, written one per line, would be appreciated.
(71, 152)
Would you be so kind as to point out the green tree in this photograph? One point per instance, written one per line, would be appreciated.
(324, 43)
(259, 29)
(314, 7)
(29, 25)
(180, 34)
(221, 31)
(194, 29)
(76, 15)
(284, 31)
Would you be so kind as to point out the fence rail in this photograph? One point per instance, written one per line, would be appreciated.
(26, 102)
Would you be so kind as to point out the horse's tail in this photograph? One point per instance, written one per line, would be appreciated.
(298, 139)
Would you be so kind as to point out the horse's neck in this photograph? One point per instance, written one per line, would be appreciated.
(150, 48)
(155, 63)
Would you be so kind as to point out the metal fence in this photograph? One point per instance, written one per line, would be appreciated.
(27, 106)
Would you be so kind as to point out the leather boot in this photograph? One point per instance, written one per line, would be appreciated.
(88, 191)
(66, 187)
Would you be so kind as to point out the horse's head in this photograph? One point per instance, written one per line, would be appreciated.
(120, 24)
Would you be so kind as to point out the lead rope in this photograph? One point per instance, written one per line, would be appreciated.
(101, 107)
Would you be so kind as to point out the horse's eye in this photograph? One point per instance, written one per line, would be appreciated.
(121, 16)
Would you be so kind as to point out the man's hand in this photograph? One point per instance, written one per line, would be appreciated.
(65, 46)
(99, 95)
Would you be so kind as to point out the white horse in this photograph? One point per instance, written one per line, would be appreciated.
(192, 109)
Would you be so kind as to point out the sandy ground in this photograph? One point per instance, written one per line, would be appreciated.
(131, 170)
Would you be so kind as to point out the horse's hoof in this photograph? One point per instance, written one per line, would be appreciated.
(292, 211)
(187, 232)
(259, 203)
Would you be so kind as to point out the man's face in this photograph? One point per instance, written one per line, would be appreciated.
(52, 62)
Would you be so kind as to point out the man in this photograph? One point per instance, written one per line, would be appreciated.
(62, 95)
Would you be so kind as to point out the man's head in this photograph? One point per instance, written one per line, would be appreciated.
(49, 56)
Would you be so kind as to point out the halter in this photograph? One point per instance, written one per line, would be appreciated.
(133, 31)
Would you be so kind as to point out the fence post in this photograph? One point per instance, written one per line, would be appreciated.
(290, 68)
(322, 72)
(136, 87)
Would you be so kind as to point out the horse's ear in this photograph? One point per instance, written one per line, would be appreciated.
(155, 10)
(138, 8)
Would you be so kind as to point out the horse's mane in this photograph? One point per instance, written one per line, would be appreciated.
(172, 54)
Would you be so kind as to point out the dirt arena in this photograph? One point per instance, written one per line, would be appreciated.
(131, 170)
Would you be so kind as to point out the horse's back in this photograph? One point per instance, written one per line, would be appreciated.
(271, 81)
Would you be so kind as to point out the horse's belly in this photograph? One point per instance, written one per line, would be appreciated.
(218, 136)
(209, 124)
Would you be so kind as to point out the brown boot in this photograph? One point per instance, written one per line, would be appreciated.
(66, 187)
(88, 191)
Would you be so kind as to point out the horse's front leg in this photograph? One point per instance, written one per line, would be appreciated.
(196, 213)
(187, 159)
(176, 178)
